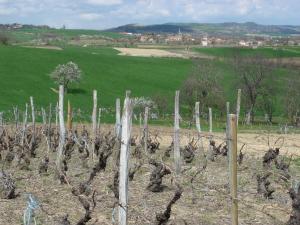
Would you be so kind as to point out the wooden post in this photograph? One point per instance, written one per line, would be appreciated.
(33, 117)
(198, 127)
(231, 134)
(56, 116)
(44, 117)
(62, 130)
(16, 112)
(210, 120)
(146, 129)
(1, 119)
(140, 128)
(197, 116)
(94, 122)
(24, 124)
(49, 129)
(238, 106)
(124, 161)
(69, 118)
(99, 120)
(177, 160)
(118, 119)
(227, 108)
(1, 123)
(127, 94)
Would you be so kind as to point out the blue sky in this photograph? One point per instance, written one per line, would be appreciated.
(100, 14)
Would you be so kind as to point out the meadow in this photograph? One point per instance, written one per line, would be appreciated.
(270, 52)
(25, 72)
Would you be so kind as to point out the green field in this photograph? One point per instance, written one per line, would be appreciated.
(267, 52)
(25, 72)
(26, 35)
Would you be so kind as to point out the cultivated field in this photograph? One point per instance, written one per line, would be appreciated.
(102, 68)
(75, 179)
(112, 74)
(204, 201)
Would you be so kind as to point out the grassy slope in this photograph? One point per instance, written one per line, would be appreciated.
(268, 52)
(25, 35)
(25, 72)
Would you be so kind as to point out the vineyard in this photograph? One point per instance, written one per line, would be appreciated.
(63, 172)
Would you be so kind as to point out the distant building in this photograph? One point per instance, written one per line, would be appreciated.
(204, 42)
(244, 43)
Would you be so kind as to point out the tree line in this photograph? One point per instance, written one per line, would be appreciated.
(256, 75)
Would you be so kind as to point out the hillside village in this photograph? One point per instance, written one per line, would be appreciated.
(208, 40)
(203, 39)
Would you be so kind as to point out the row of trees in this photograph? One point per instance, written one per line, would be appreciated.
(257, 76)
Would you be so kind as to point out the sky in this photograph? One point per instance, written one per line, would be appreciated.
(102, 14)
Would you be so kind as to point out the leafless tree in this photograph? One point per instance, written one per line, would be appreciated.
(202, 85)
(4, 38)
(268, 100)
(162, 103)
(292, 100)
(254, 76)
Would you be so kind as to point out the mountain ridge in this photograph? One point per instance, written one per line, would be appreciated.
(225, 28)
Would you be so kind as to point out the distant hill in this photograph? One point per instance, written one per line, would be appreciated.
(216, 29)
(159, 28)
(16, 26)
(248, 28)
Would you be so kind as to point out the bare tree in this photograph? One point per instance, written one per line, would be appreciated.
(202, 85)
(253, 74)
(66, 73)
(267, 101)
(4, 38)
(292, 100)
(161, 102)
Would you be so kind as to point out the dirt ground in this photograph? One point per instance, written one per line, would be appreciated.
(256, 142)
(211, 205)
(148, 52)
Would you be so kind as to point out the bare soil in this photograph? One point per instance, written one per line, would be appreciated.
(211, 197)
(148, 52)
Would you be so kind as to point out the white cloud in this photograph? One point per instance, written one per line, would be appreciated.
(90, 16)
(163, 12)
(7, 11)
(104, 2)
(76, 13)
(243, 6)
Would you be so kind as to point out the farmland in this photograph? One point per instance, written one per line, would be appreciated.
(102, 69)
(205, 201)
(280, 52)
(111, 74)
(77, 173)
